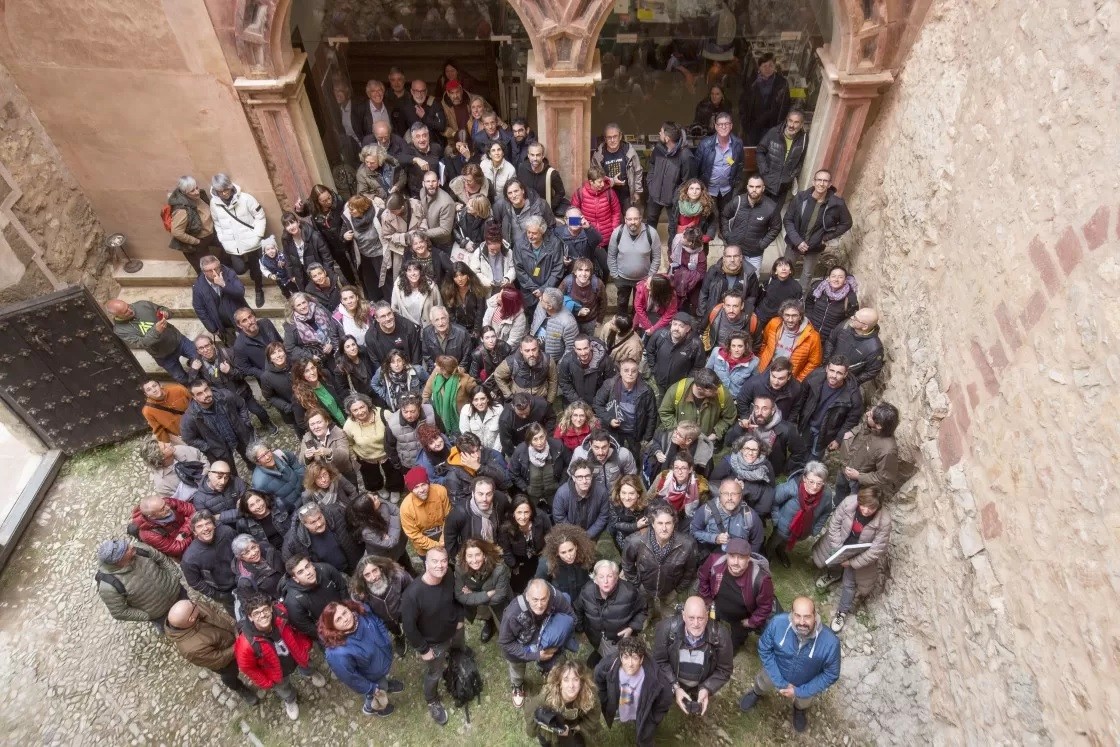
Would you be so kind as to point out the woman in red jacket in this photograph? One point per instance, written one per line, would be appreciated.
(599, 204)
(268, 650)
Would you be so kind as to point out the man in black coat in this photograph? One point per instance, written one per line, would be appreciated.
(216, 423)
(444, 337)
(814, 217)
(673, 352)
(321, 534)
(219, 493)
(253, 336)
(609, 608)
(216, 366)
(765, 99)
(421, 107)
(583, 369)
(421, 157)
(524, 410)
(207, 563)
(777, 383)
(751, 222)
(392, 331)
(654, 697)
(831, 406)
(779, 165)
(477, 518)
(730, 274)
(627, 407)
(765, 420)
(858, 341)
(309, 588)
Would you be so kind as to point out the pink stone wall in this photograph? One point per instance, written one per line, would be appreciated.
(133, 93)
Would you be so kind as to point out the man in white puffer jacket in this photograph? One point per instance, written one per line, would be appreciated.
(240, 224)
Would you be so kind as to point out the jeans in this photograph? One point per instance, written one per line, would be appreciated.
(285, 691)
(809, 263)
(847, 591)
(438, 663)
(172, 363)
(763, 685)
(517, 668)
(755, 262)
(249, 262)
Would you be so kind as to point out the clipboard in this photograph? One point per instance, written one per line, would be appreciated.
(845, 552)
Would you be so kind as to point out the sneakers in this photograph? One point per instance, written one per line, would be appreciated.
(250, 697)
(518, 695)
(838, 621)
(437, 712)
(800, 720)
(826, 580)
(748, 701)
(369, 710)
(292, 709)
(395, 686)
(487, 630)
(317, 679)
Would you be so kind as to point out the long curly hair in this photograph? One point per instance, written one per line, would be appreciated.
(390, 569)
(707, 204)
(424, 285)
(302, 391)
(561, 533)
(551, 693)
(565, 422)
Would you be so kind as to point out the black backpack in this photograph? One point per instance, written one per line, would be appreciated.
(462, 679)
(112, 580)
(190, 472)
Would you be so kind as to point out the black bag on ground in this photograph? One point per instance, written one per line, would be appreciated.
(462, 679)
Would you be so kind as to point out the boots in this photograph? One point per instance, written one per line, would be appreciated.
(775, 549)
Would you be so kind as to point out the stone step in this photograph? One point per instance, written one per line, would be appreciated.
(178, 300)
(157, 272)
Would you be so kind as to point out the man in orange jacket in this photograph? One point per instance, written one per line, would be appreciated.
(791, 335)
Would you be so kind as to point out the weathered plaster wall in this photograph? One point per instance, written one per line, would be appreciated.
(133, 96)
(49, 235)
(988, 233)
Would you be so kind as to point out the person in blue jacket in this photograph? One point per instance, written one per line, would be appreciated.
(278, 473)
(800, 659)
(359, 651)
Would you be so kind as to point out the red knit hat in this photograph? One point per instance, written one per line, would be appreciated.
(453, 85)
(415, 476)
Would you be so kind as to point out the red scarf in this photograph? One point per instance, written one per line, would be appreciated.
(732, 362)
(802, 522)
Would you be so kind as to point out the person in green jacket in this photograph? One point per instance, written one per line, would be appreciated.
(137, 583)
(702, 400)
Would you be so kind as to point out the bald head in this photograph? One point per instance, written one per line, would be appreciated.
(695, 616)
(867, 317)
(153, 506)
(180, 614)
(119, 309)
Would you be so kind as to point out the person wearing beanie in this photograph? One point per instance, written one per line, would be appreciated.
(424, 511)
(136, 582)
(737, 585)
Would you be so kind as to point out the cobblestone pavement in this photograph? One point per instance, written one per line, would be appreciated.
(69, 674)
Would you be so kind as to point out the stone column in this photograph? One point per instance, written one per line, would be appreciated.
(564, 119)
(284, 126)
(839, 119)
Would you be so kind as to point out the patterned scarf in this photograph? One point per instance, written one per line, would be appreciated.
(487, 520)
(757, 471)
(836, 294)
(312, 327)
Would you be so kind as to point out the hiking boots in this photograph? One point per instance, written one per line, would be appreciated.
(250, 697)
(395, 686)
(748, 701)
(518, 695)
(437, 712)
(838, 621)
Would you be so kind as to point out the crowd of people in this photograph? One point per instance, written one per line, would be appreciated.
(483, 440)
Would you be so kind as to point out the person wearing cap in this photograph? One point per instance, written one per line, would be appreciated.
(136, 582)
(701, 399)
(424, 511)
(205, 639)
(674, 351)
(747, 600)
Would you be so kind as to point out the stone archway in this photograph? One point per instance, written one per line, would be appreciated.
(870, 42)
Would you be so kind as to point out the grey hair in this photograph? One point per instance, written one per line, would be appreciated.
(374, 151)
(731, 481)
(604, 564)
(209, 261)
(257, 447)
(374, 83)
(203, 336)
(151, 453)
(816, 469)
(538, 222)
(241, 543)
(553, 297)
(356, 397)
(220, 182)
(438, 309)
(186, 184)
(299, 296)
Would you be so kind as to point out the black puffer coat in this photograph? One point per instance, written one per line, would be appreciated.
(624, 608)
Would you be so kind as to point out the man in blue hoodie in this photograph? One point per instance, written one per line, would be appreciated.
(800, 659)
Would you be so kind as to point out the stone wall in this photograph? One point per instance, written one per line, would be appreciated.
(49, 235)
(988, 233)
